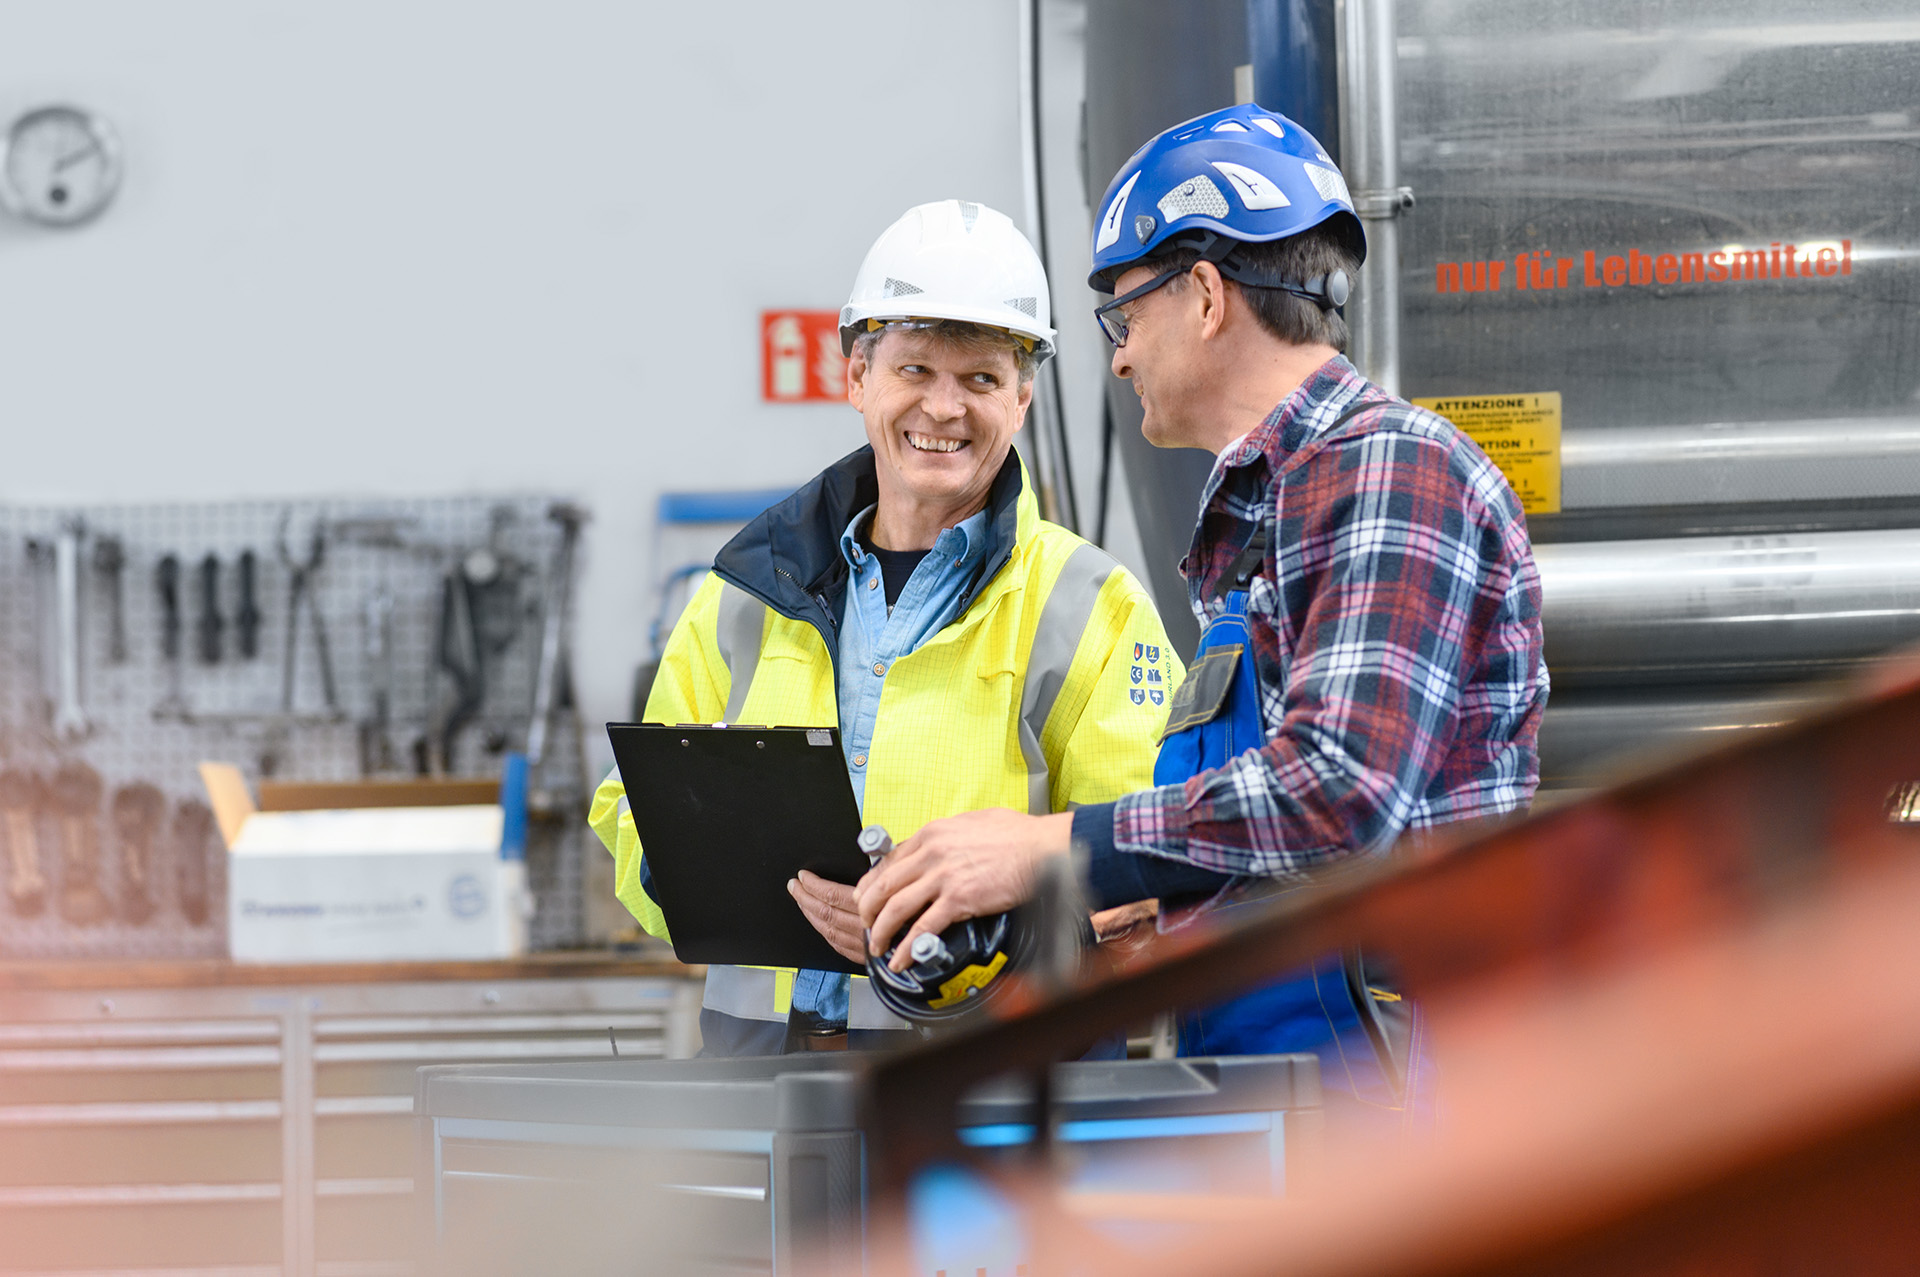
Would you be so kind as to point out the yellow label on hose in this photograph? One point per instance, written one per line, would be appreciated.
(1521, 433)
(973, 977)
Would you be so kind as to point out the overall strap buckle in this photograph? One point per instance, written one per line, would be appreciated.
(1246, 565)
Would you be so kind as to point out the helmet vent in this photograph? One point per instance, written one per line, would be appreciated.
(1110, 222)
(1328, 182)
(1271, 126)
(1195, 195)
(1028, 306)
(1229, 126)
(846, 316)
(1255, 189)
(969, 214)
(899, 288)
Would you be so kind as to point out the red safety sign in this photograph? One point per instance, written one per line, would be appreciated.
(800, 357)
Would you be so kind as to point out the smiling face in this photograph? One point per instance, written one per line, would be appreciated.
(1158, 357)
(940, 415)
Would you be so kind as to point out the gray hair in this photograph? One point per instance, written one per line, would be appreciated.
(963, 335)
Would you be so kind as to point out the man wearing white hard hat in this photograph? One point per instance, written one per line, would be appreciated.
(971, 653)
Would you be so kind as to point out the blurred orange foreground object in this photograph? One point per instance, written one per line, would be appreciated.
(1748, 1104)
(1677, 1022)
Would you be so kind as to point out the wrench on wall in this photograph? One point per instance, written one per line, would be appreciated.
(69, 718)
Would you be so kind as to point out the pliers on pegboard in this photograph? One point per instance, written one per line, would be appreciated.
(300, 586)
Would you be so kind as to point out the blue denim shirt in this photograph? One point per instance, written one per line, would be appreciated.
(871, 640)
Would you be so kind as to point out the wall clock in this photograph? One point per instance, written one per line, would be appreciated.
(59, 166)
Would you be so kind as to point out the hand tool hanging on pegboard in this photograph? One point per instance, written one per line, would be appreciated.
(458, 653)
(75, 793)
(494, 577)
(383, 534)
(138, 810)
(300, 585)
(69, 719)
(480, 615)
(166, 581)
(552, 690)
(109, 564)
(45, 644)
(376, 729)
(246, 617)
(20, 813)
(211, 623)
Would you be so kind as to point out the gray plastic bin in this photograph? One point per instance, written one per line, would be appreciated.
(741, 1166)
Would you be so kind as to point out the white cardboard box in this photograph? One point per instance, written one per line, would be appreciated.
(367, 884)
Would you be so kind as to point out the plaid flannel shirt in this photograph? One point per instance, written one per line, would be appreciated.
(1396, 632)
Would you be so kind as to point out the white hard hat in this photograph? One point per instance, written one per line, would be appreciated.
(951, 260)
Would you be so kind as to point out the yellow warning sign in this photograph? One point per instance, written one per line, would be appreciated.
(1522, 435)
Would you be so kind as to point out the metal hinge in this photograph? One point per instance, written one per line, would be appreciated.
(1380, 205)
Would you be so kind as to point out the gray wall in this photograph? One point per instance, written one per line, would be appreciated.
(447, 247)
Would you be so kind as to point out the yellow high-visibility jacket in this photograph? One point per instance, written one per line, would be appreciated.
(1036, 697)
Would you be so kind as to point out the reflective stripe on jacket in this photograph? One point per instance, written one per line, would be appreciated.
(1039, 696)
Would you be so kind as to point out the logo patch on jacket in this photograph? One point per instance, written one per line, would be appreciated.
(1157, 695)
(1134, 674)
(1136, 651)
(1153, 653)
(1139, 697)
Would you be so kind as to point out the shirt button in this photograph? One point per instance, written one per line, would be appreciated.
(874, 584)
(880, 669)
(859, 760)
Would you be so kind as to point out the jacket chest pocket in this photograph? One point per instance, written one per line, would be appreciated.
(793, 680)
(998, 677)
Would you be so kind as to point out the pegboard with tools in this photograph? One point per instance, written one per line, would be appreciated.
(307, 640)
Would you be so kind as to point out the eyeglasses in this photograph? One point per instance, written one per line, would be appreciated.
(1114, 323)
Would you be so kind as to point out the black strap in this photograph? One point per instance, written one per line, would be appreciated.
(1253, 556)
(1247, 564)
(1329, 291)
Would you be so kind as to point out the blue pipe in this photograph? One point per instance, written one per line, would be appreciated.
(1296, 64)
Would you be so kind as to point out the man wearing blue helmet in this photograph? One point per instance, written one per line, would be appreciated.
(1371, 661)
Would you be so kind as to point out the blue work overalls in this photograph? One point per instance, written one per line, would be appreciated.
(1366, 1035)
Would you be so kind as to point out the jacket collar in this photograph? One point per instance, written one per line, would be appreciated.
(789, 556)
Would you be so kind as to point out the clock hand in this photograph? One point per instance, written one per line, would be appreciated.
(66, 162)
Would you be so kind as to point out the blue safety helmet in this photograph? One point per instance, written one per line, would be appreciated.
(1241, 174)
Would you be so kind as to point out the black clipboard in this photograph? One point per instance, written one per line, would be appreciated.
(726, 815)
